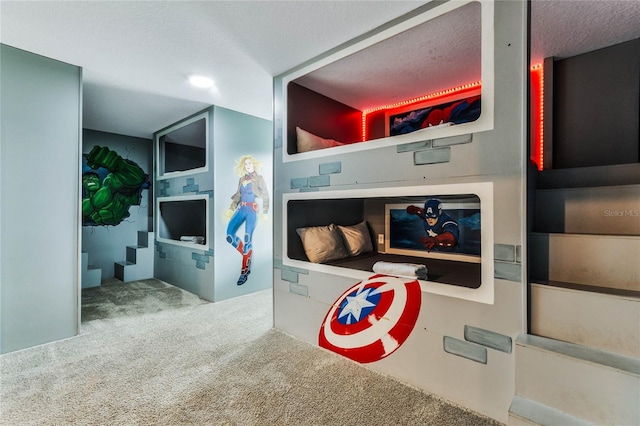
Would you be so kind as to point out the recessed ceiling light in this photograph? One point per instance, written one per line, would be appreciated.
(201, 81)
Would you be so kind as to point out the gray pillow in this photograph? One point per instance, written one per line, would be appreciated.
(322, 243)
(357, 239)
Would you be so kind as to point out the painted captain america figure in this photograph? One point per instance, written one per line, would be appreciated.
(244, 209)
(442, 231)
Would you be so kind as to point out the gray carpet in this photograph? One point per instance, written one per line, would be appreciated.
(206, 364)
(115, 298)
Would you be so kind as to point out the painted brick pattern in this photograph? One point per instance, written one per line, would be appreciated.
(160, 250)
(432, 156)
(414, 146)
(289, 273)
(191, 186)
(504, 252)
(323, 179)
(163, 186)
(488, 338)
(508, 271)
(507, 263)
(464, 349)
(201, 259)
(299, 289)
(453, 140)
(317, 181)
(476, 342)
(330, 168)
(299, 183)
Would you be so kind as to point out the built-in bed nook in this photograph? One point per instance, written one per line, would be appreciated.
(360, 98)
(182, 150)
(353, 221)
(386, 231)
(389, 89)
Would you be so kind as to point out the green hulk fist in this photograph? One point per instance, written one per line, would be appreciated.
(108, 203)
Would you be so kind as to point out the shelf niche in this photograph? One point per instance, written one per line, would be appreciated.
(183, 149)
(184, 221)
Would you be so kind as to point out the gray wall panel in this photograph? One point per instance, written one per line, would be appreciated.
(40, 167)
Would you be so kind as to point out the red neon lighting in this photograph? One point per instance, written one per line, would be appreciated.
(431, 96)
(537, 115)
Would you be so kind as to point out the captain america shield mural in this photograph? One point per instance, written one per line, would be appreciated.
(372, 319)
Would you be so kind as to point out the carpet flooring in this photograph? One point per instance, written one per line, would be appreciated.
(115, 298)
(205, 364)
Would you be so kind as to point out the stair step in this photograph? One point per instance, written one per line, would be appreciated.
(138, 263)
(603, 321)
(527, 412)
(597, 386)
(145, 238)
(611, 210)
(84, 261)
(618, 174)
(90, 275)
(131, 252)
(122, 270)
(598, 260)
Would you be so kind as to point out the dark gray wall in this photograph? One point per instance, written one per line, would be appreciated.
(597, 107)
(328, 119)
(303, 213)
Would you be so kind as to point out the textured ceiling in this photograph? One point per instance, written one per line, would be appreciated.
(437, 55)
(565, 28)
(136, 55)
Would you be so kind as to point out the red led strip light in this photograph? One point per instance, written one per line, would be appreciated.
(431, 96)
(537, 109)
(537, 114)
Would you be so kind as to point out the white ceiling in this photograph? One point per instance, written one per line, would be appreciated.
(136, 55)
(439, 54)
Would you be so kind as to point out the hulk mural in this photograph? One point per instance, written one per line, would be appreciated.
(110, 185)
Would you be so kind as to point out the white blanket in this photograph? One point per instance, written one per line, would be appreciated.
(192, 239)
(408, 270)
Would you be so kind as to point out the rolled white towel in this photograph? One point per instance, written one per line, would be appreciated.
(409, 270)
(192, 239)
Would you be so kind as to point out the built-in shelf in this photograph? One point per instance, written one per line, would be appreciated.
(184, 220)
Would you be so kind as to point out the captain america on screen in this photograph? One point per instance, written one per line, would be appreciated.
(442, 230)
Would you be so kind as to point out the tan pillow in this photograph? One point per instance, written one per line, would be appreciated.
(357, 239)
(310, 142)
(322, 243)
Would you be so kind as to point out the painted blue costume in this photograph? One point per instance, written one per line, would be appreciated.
(250, 187)
(445, 224)
(444, 233)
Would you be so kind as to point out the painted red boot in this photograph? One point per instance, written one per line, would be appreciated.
(245, 271)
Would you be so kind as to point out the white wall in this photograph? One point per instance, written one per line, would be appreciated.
(496, 156)
(39, 199)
